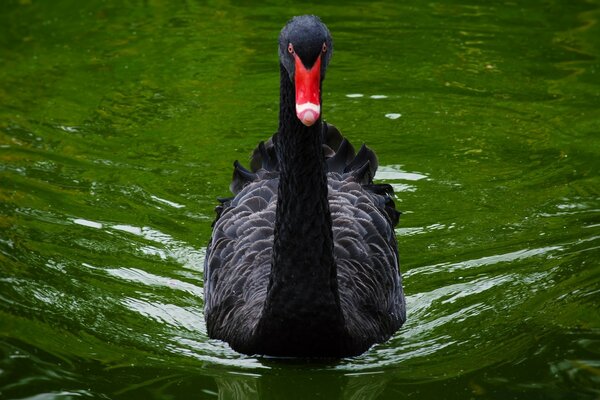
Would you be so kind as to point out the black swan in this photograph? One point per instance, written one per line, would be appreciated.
(303, 261)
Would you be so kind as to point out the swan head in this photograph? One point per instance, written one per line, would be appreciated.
(305, 48)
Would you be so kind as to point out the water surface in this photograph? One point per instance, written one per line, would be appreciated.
(118, 128)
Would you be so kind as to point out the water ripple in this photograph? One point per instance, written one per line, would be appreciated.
(148, 279)
(484, 261)
(178, 317)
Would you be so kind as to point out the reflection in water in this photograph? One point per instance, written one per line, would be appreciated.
(393, 115)
(394, 172)
(306, 383)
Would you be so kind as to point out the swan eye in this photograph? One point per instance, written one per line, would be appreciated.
(290, 49)
(324, 47)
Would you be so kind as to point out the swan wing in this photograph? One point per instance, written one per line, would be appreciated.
(366, 253)
(238, 261)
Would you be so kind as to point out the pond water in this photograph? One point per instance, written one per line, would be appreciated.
(118, 128)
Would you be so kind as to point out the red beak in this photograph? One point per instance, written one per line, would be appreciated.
(308, 88)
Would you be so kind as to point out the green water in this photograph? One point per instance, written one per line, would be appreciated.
(119, 124)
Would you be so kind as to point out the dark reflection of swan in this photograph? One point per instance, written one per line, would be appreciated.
(303, 260)
(299, 384)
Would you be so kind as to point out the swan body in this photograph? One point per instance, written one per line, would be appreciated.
(303, 259)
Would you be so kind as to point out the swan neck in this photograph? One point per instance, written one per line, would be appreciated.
(302, 298)
(303, 239)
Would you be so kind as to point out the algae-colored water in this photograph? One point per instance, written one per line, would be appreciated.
(119, 123)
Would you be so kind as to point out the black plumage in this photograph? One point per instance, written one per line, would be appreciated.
(303, 259)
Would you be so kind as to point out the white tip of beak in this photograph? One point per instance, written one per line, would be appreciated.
(308, 113)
